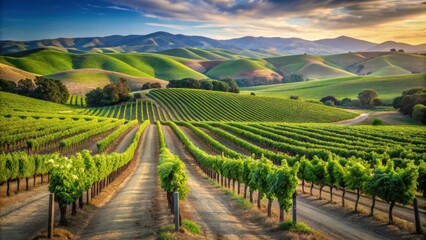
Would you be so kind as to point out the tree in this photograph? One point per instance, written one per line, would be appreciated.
(358, 175)
(397, 102)
(419, 113)
(401, 50)
(253, 94)
(233, 87)
(393, 50)
(367, 96)
(7, 86)
(206, 85)
(94, 97)
(25, 87)
(329, 98)
(259, 178)
(50, 90)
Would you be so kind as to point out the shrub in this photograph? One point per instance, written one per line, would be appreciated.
(295, 227)
(329, 103)
(253, 94)
(377, 122)
(419, 113)
(329, 98)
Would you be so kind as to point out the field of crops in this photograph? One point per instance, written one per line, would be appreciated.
(257, 149)
(200, 105)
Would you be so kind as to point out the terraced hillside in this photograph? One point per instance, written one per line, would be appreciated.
(201, 105)
(387, 87)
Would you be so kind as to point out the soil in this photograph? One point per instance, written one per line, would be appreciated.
(135, 212)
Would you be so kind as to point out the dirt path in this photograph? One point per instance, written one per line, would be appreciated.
(354, 120)
(212, 209)
(132, 213)
(125, 142)
(336, 222)
(403, 212)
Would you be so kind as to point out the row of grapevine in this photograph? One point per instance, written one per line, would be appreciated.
(171, 171)
(200, 105)
(261, 175)
(357, 174)
(71, 177)
(77, 100)
(72, 141)
(14, 166)
(140, 110)
(104, 143)
(51, 140)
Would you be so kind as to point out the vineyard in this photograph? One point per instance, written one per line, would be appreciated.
(260, 148)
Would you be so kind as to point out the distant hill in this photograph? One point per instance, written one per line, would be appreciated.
(253, 47)
(386, 46)
(81, 81)
(50, 61)
(347, 44)
(387, 87)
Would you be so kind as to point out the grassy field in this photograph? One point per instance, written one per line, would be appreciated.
(387, 87)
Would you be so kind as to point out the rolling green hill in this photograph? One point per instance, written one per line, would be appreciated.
(391, 64)
(387, 87)
(201, 105)
(81, 81)
(311, 67)
(244, 68)
(49, 61)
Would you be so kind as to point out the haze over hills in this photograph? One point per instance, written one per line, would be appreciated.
(160, 41)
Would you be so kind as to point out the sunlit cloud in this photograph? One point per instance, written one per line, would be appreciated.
(309, 19)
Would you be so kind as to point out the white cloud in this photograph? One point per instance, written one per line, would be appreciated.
(166, 25)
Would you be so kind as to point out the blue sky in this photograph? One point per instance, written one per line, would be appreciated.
(373, 20)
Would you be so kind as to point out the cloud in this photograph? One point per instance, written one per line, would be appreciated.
(166, 25)
(282, 17)
(118, 8)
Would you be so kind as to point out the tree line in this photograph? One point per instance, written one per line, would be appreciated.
(225, 85)
(41, 88)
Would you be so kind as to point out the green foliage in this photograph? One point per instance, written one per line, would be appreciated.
(367, 97)
(419, 113)
(171, 169)
(192, 227)
(259, 176)
(283, 183)
(377, 122)
(358, 175)
(300, 227)
(111, 94)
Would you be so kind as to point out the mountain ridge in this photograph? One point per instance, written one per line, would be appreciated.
(160, 41)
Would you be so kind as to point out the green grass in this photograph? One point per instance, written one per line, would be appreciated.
(50, 61)
(299, 227)
(387, 87)
(191, 227)
(241, 68)
(201, 105)
(310, 66)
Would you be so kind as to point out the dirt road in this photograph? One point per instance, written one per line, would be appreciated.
(354, 120)
(132, 212)
(212, 209)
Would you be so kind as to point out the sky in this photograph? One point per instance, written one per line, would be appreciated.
(371, 20)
